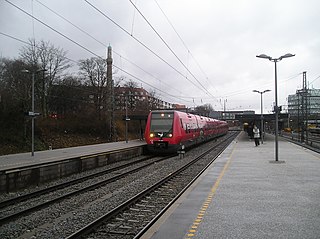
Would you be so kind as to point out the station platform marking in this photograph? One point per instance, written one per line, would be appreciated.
(205, 205)
(253, 198)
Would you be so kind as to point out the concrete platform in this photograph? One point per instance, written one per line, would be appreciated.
(246, 194)
(13, 161)
(18, 171)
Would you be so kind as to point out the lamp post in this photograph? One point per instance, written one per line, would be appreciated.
(32, 113)
(261, 112)
(276, 108)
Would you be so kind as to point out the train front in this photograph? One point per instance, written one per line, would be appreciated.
(159, 133)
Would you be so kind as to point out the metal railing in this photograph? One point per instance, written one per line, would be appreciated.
(312, 139)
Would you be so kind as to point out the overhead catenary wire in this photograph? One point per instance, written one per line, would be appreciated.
(170, 49)
(33, 31)
(68, 38)
(74, 25)
(30, 44)
(245, 90)
(82, 47)
(148, 73)
(143, 44)
(83, 30)
(139, 79)
(133, 18)
(61, 34)
(204, 98)
(184, 44)
(314, 80)
(120, 68)
(239, 92)
(103, 44)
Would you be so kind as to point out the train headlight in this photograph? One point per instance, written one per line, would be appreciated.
(151, 135)
(170, 135)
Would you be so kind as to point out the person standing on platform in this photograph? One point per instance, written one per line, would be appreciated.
(256, 135)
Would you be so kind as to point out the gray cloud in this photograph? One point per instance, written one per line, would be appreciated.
(223, 36)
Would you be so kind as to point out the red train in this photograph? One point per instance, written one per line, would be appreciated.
(167, 130)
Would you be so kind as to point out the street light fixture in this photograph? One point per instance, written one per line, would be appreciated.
(32, 113)
(261, 112)
(276, 108)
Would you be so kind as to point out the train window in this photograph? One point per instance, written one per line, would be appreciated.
(187, 128)
(161, 122)
(181, 123)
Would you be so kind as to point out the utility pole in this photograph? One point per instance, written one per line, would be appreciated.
(261, 112)
(304, 108)
(305, 104)
(32, 113)
(298, 107)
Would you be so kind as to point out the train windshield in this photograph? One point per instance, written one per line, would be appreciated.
(161, 122)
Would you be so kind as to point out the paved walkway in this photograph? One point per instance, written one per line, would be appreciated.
(246, 194)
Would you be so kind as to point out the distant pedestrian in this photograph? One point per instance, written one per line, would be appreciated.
(256, 135)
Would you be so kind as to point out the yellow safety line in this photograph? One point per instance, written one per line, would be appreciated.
(205, 205)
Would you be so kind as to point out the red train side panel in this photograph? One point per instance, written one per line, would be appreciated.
(167, 130)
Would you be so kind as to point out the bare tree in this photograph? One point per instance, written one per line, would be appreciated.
(15, 84)
(15, 97)
(130, 86)
(65, 97)
(118, 80)
(204, 109)
(30, 53)
(153, 100)
(94, 72)
(44, 55)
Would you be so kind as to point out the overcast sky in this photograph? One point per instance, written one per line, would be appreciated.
(198, 52)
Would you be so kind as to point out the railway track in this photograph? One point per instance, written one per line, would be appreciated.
(133, 217)
(47, 190)
(5, 206)
(63, 217)
(312, 143)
